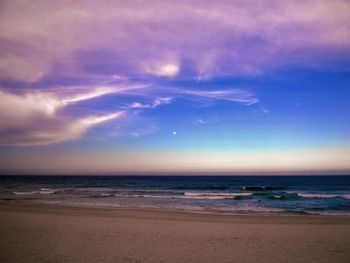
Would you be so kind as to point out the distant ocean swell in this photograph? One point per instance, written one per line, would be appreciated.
(320, 195)
(187, 195)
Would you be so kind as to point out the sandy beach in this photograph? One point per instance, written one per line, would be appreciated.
(41, 233)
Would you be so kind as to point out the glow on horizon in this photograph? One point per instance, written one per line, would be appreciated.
(124, 163)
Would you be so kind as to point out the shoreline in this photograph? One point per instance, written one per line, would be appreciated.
(168, 214)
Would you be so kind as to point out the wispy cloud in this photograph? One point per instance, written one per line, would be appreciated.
(154, 104)
(100, 91)
(265, 111)
(202, 121)
(233, 95)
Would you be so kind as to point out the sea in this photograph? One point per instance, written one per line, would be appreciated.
(326, 195)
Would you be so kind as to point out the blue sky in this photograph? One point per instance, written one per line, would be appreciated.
(123, 88)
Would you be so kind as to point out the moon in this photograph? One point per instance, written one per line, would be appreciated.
(174, 132)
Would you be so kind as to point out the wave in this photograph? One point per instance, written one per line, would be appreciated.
(47, 191)
(202, 187)
(44, 191)
(190, 195)
(311, 195)
(282, 196)
(146, 196)
(214, 196)
(307, 195)
(278, 196)
(26, 193)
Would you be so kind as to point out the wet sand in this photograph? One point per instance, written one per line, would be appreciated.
(43, 233)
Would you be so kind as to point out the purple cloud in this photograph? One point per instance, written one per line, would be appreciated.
(215, 39)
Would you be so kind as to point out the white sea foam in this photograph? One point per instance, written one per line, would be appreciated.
(316, 195)
(25, 193)
(206, 197)
(308, 195)
(213, 196)
(44, 191)
(47, 191)
(277, 196)
(130, 195)
(216, 194)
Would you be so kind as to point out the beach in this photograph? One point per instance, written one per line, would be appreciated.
(48, 233)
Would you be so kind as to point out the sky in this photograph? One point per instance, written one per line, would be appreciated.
(175, 87)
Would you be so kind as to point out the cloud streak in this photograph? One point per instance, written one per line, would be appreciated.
(34, 119)
(154, 104)
(54, 131)
(233, 95)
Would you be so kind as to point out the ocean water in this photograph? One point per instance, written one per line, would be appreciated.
(216, 194)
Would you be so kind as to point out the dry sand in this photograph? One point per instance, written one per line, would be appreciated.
(40, 233)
